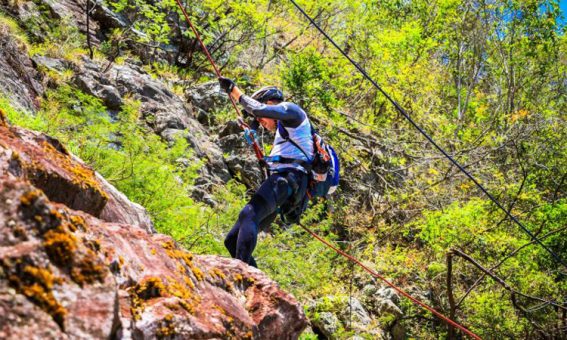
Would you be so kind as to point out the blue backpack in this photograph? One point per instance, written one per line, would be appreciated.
(325, 173)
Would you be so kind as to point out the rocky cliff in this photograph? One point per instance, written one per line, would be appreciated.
(78, 260)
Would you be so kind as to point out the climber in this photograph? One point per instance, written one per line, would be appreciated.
(285, 190)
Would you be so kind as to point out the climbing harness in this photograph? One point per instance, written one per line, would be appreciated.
(257, 150)
(396, 288)
(323, 166)
(429, 138)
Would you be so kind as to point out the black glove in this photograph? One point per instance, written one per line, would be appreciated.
(226, 84)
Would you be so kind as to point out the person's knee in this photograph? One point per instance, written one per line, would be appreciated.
(247, 213)
(230, 241)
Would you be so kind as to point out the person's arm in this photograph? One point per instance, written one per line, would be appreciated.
(288, 113)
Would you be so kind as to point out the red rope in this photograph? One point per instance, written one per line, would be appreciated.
(243, 125)
(399, 290)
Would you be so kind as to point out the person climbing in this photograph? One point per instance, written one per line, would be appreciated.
(285, 190)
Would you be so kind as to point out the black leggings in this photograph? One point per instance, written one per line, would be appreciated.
(261, 211)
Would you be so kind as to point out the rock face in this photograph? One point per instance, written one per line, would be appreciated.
(18, 79)
(165, 112)
(64, 273)
(63, 178)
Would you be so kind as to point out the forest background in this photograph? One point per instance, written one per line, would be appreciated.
(486, 78)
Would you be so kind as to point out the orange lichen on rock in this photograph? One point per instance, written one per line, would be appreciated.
(60, 246)
(197, 272)
(151, 287)
(215, 272)
(77, 223)
(3, 119)
(88, 270)
(29, 197)
(83, 176)
(166, 328)
(188, 281)
(187, 258)
(37, 285)
(178, 289)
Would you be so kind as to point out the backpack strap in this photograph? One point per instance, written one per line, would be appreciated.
(285, 135)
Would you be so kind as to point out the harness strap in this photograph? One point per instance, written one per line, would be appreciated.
(286, 138)
(286, 160)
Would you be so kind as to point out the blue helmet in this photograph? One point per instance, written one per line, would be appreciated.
(268, 93)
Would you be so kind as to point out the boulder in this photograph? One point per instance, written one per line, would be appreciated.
(381, 300)
(207, 98)
(331, 314)
(51, 271)
(165, 112)
(67, 274)
(79, 277)
(46, 163)
(327, 324)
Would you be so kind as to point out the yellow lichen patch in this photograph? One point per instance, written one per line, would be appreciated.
(181, 268)
(178, 289)
(78, 222)
(179, 254)
(83, 176)
(3, 119)
(29, 197)
(166, 328)
(37, 285)
(94, 245)
(168, 245)
(220, 309)
(215, 272)
(42, 275)
(197, 272)
(153, 251)
(88, 271)
(53, 213)
(151, 287)
(60, 246)
(188, 306)
(188, 282)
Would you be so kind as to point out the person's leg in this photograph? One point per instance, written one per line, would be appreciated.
(232, 238)
(263, 205)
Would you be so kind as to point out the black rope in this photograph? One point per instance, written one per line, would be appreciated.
(407, 116)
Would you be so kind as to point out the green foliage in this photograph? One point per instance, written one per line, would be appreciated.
(9, 27)
(308, 80)
(60, 38)
(485, 79)
(149, 19)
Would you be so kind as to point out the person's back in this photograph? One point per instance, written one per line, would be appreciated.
(285, 190)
